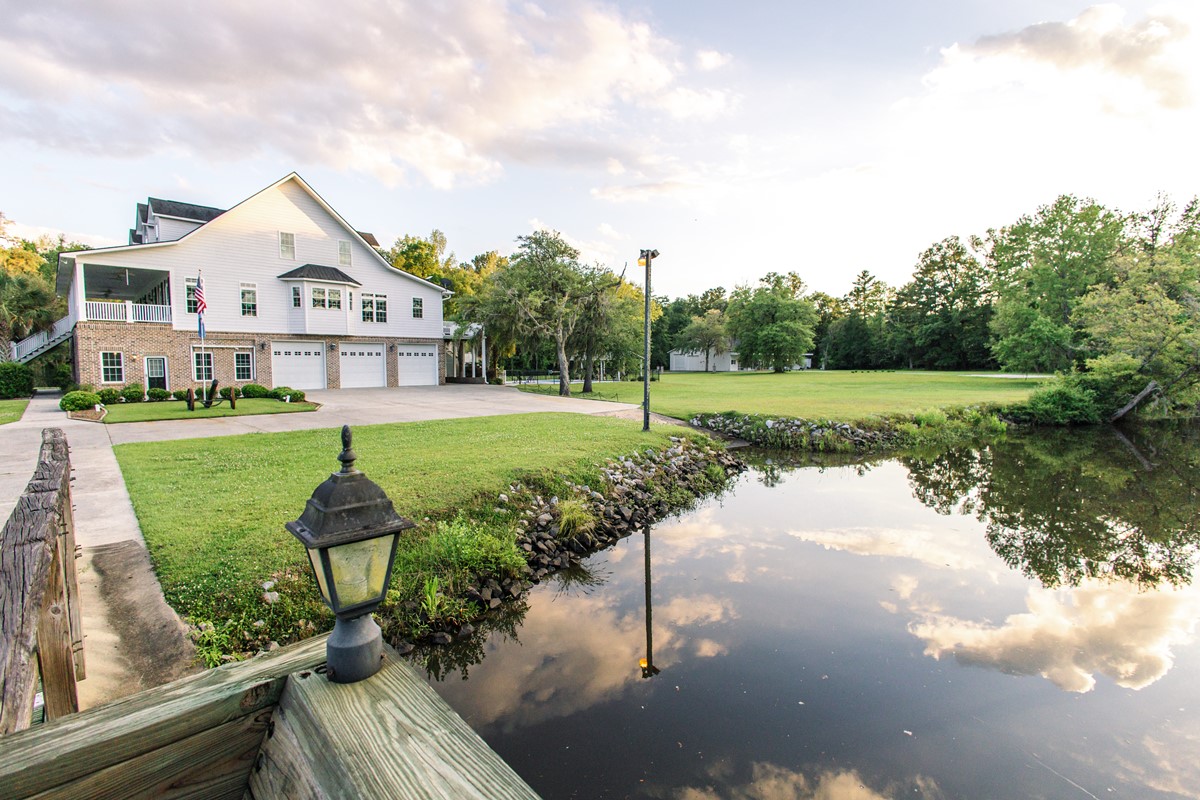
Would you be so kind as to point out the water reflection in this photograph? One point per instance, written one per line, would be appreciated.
(1064, 506)
(823, 634)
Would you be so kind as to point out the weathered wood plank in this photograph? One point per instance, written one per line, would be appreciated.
(283, 772)
(55, 659)
(27, 545)
(67, 551)
(212, 765)
(68, 749)
(392, 736)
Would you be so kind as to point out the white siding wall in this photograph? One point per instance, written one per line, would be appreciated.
(242, 246)
(171, 229)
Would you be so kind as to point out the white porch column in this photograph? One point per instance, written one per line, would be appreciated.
(79, 291)
(483, 357)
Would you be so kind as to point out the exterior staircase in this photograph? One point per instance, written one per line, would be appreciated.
(33, 346)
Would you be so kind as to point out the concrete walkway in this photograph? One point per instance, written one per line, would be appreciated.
(133, 640)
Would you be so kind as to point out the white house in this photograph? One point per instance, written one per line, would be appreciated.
(295, 296)
(682, 361)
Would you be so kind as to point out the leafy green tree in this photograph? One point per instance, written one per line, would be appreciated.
(941, 318)
(1044, 265)
(1144, 327)
(773, 328)
(705, 334)
(537, 295)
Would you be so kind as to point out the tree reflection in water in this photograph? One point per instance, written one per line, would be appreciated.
(1065, 505)
(439, 661)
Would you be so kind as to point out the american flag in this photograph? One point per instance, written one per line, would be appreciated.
(201, 306)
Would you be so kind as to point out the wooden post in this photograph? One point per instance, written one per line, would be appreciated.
(35, 611)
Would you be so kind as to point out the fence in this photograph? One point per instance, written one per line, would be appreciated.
(41, 634)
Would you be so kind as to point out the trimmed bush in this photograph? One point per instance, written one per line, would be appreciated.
(253, 390)
(79, 401)
(108, 396)
(284, 391)
(157, 395)
(179, 394)
(133, 393)
(228, 390)
(16, 380)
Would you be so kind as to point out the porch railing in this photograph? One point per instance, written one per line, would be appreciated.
(126, 311)
(38, 341)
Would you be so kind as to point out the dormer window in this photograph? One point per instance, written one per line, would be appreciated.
(287, 246)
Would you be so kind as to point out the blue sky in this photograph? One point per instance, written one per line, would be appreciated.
(824, 138)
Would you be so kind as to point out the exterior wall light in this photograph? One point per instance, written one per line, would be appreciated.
(351, 531)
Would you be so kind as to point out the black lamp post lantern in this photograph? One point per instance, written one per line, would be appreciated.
(350, 531)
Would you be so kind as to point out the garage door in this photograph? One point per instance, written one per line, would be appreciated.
(418, 364)
(300, 365)
(362, 365)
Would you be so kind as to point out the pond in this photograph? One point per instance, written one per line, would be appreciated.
(1012, 621)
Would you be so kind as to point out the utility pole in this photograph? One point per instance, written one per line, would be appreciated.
(646, 258)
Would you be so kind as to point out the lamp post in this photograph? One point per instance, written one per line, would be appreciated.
(350, 531)
(645, 260)
(647, 663)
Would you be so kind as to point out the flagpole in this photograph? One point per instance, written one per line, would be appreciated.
(203, 360)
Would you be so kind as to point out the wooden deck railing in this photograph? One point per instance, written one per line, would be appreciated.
(41, 634)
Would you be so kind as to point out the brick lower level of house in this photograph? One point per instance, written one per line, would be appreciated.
(116, 354)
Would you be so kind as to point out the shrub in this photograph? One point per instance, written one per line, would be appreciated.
(253, 390)
(16, 380)
(930, 419)
(179, 394)
(79, 401)
(79, 387)
(158, 395)
(281, 392)
(108, 396)
(228, 390)
(1063, 402)
(133, 393)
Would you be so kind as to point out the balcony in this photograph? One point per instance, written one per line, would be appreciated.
(125, 311)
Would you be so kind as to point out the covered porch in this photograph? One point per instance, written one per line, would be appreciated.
(120, 294)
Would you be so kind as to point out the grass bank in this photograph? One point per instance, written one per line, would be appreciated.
(177, 409)
(212, 511)
(814, 394)
(11, 410)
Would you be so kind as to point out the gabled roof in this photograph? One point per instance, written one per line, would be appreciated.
(191, 211)
(318, 272)
(369, 238)
(64, 259)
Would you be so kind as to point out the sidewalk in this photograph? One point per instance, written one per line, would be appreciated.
(132, 638)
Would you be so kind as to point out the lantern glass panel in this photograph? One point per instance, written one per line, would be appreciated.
(314, 555)
(360, 569)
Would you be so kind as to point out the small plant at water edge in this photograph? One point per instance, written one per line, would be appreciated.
(575, 518)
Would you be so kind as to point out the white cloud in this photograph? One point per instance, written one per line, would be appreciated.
(708, 60)
(443, 90)
(926, 546)
(773, 782)
(1067, 636)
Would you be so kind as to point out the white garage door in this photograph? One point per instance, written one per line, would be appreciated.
(418, 364)
(362, 365)
(300, 365)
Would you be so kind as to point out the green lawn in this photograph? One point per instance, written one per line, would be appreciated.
(212, 510)
(177, 409)
(11, 410)
(843, 396)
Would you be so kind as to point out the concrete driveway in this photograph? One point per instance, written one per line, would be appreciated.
(370, 407)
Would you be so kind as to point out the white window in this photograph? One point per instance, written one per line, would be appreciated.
(249, 300)
(343, 254)
(112, 367)
(243, 368)
(318, 298)
(202, 367)
(190, 290)
(374, 307)
(335, 298)
(297, 299)
(418, 308)
(287, 245)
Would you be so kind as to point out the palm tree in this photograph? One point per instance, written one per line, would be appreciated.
(27, 305)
